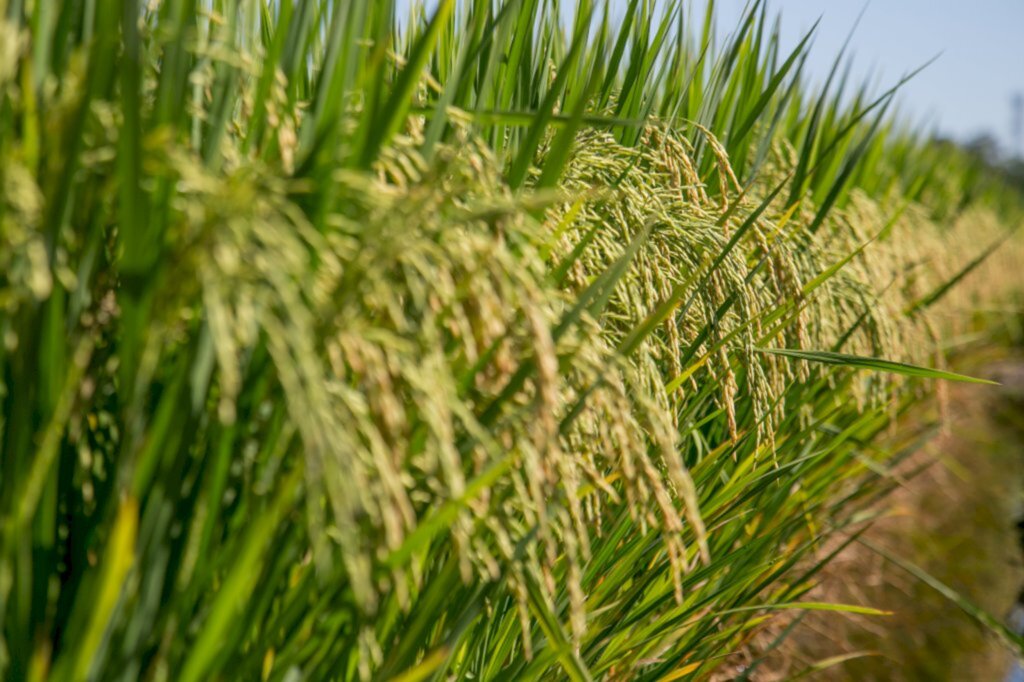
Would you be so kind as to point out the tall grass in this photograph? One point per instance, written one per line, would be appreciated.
(505, 341)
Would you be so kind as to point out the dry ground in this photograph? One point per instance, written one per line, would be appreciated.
(955, 517)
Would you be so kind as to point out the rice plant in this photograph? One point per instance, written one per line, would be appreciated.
(500, 340)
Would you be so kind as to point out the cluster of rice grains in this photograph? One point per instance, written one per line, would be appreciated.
(419, 345)
(448, 358)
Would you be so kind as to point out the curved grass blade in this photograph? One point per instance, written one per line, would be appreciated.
(982, 617)
(874, 364)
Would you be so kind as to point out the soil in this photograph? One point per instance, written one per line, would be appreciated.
(956, 516)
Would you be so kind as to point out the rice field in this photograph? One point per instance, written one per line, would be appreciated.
(489, 340)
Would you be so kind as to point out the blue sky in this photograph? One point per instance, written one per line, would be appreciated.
(965, 92)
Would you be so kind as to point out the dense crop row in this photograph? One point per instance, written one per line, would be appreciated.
(505, 341)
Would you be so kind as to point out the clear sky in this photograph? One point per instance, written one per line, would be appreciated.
(967, 91)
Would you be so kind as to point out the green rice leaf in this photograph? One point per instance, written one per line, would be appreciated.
(873, 364)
